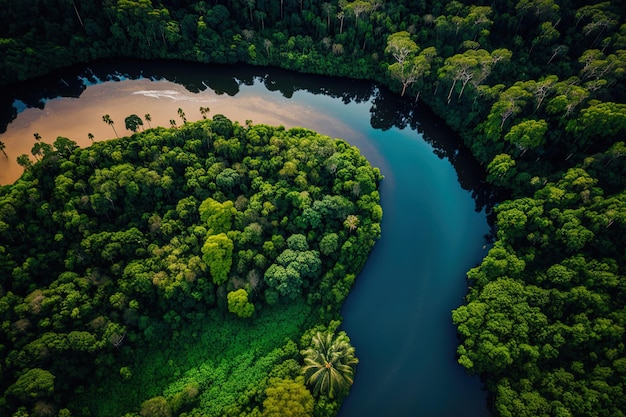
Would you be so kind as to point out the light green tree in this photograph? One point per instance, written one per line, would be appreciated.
(238, 303)
(218, 255)
(501, 169)
(155, 407)
(218, 216)
(288, 397)
(527, 134)
(32, 385)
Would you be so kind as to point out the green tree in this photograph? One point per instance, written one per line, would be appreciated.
(218, 255)
(32, 385)
(238, 303)
(218, 216)
(155, 407)
(24, 161)
(528, 134)
(501, 169)
(471, 65)
(287, 397)
(329, 364)
(133, 122)
(227, 179)
(329, 243)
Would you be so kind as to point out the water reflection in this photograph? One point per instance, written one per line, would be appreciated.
(387, 110)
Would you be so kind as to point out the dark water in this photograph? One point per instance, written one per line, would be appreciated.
(398, 314)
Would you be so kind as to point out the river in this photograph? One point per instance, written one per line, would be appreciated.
(434, 225)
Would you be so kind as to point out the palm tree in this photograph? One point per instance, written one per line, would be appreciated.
(181, 114)
(148, 119)
(2, 148)
(107, 119)
(204, 111)
(37, 136)
(351, 222)
(329, 364)
(24, 161)
(90, 136)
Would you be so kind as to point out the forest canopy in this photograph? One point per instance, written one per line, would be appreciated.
(536, 90)
(180, 269)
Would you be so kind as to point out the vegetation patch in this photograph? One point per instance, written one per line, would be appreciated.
(182, 271)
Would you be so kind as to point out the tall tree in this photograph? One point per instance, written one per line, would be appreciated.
(204, 111)
(107, 119)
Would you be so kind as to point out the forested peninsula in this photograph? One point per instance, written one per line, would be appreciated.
(535, 88)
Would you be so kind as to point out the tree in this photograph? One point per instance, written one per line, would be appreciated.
(155, 407)
(133, 122)
(238, 303)
(107, 119)
(148, 119)
(2, 148)
(227, 179)
(351, 222)
(501, 169)
(287, 281)
(408, 69)
(182, 116)
(218, 255)
(287, 397)
(90, 136)
(204, 111)
(32, 385)
(468, 66)
(329, 244)
(328, 9)
(218, 216)
(329, 364)
(400, 46)
(528, 134)
(24, 161)
(542, 88)
(510, 103)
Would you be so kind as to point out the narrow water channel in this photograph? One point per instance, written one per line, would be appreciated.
(398, 314)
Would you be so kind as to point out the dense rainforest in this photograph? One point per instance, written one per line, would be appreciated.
(535, 88)
(237, 244)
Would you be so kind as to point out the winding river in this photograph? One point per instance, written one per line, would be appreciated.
(434, 226)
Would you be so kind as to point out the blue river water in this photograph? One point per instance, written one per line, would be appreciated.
(398, 315)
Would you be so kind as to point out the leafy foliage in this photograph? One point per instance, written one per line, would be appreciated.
(146, 248)
(535, 89)
(329, 364)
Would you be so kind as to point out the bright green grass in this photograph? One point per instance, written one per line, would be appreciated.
(227, 357)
